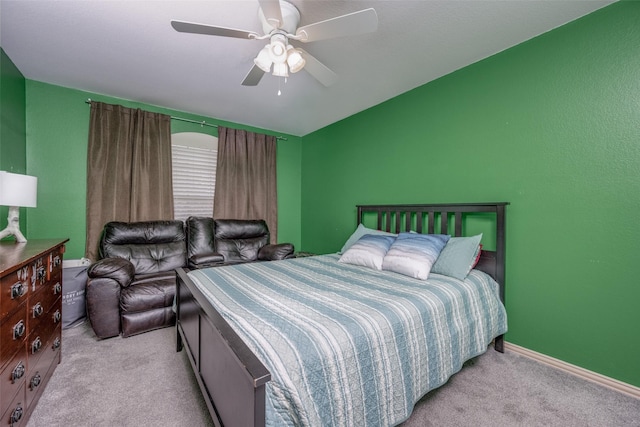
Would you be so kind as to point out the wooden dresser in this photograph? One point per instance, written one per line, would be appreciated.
(30, 324)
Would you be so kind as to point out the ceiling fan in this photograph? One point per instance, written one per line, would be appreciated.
(280, 21)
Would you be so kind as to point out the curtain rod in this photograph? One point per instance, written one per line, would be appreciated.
(202, 123)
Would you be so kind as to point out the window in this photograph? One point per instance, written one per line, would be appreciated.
(194, 159)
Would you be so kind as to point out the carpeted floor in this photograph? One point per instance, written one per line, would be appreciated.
(135, 381)
(143, 381)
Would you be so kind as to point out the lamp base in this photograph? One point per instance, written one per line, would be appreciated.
(13, 228)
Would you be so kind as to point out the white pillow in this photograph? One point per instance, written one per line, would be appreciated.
(368, 251)
(413, 254)
(361, 230)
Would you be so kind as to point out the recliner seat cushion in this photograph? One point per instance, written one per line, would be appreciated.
(148, 292)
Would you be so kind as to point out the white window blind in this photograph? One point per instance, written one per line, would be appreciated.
(194, 180)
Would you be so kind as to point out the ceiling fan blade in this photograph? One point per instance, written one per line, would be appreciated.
(364, 21)
(318, 70)
(253, 77)
(272, 12)
(211, 30)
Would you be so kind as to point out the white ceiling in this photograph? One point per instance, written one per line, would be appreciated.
(128, 49)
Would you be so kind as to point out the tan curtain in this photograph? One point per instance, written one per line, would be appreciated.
(128, 168)
(246, 178)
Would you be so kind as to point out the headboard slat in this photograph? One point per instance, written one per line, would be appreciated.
(432, 223)
(444, 222)
(458, 224)
(491, 262)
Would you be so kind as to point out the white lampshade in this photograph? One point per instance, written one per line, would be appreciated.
(263, 60)
(280, 69)
(18, 190)
(295, 60)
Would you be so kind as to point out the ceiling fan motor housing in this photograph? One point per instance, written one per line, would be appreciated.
(290, 19)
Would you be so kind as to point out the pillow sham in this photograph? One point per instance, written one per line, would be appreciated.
(413, 254)
(361, 230)
(458, 257)
(368, 251)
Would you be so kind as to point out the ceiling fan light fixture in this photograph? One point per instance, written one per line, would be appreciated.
(295, 60)
(263, 60)
(278, 50)
(280, 69)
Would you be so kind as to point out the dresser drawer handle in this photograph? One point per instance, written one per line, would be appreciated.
(36, 345)
(57, 261)
(18, 372)
(19, 330)
(57, 316)
(57, 288)
(37, 310)
(36, 380)
(56, 343)
(17, 290)
(16, 415)
(41, 273)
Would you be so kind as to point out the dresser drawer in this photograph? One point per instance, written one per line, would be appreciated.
(16, 413)
(30, 324)
(42, 367)
(42, 307)
(55, 262)
(39, 273)
(13, 333)
(13, 378)
(53, 286)
(15, 287)
(36, 343)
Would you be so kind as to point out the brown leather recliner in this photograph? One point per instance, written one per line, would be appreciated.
(217, 242)
(131, 289)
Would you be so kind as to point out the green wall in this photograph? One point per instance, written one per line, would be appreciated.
(551, 126)
(13, 157)
(57, 131)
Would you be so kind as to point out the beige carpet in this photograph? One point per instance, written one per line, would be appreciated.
(135, 381)
(143, 381)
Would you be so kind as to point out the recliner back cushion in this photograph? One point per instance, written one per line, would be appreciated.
(240, 240)
(200, 235)
(151, 246)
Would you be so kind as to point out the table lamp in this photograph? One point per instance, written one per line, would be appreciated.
(16, 191)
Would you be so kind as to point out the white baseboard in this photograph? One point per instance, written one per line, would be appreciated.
(605, 381)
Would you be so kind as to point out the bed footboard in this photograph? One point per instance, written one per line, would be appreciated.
(231, 378)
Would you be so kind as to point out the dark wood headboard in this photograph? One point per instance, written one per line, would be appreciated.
(425, 218)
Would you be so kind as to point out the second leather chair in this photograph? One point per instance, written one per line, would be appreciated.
(231, 241)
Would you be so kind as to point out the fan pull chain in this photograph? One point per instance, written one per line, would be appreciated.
(279, 81)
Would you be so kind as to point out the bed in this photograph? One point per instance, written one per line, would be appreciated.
(317, 341)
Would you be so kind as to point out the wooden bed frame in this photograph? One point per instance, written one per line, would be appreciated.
(231, 377)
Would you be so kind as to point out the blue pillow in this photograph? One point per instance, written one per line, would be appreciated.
(414, 254)
(458, 257)
(368, 251)
(361, 230)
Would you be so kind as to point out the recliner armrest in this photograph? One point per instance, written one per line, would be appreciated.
(118, 269)
(205, 260)
(276, 252)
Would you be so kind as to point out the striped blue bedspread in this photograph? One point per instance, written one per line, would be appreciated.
(348, 345)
